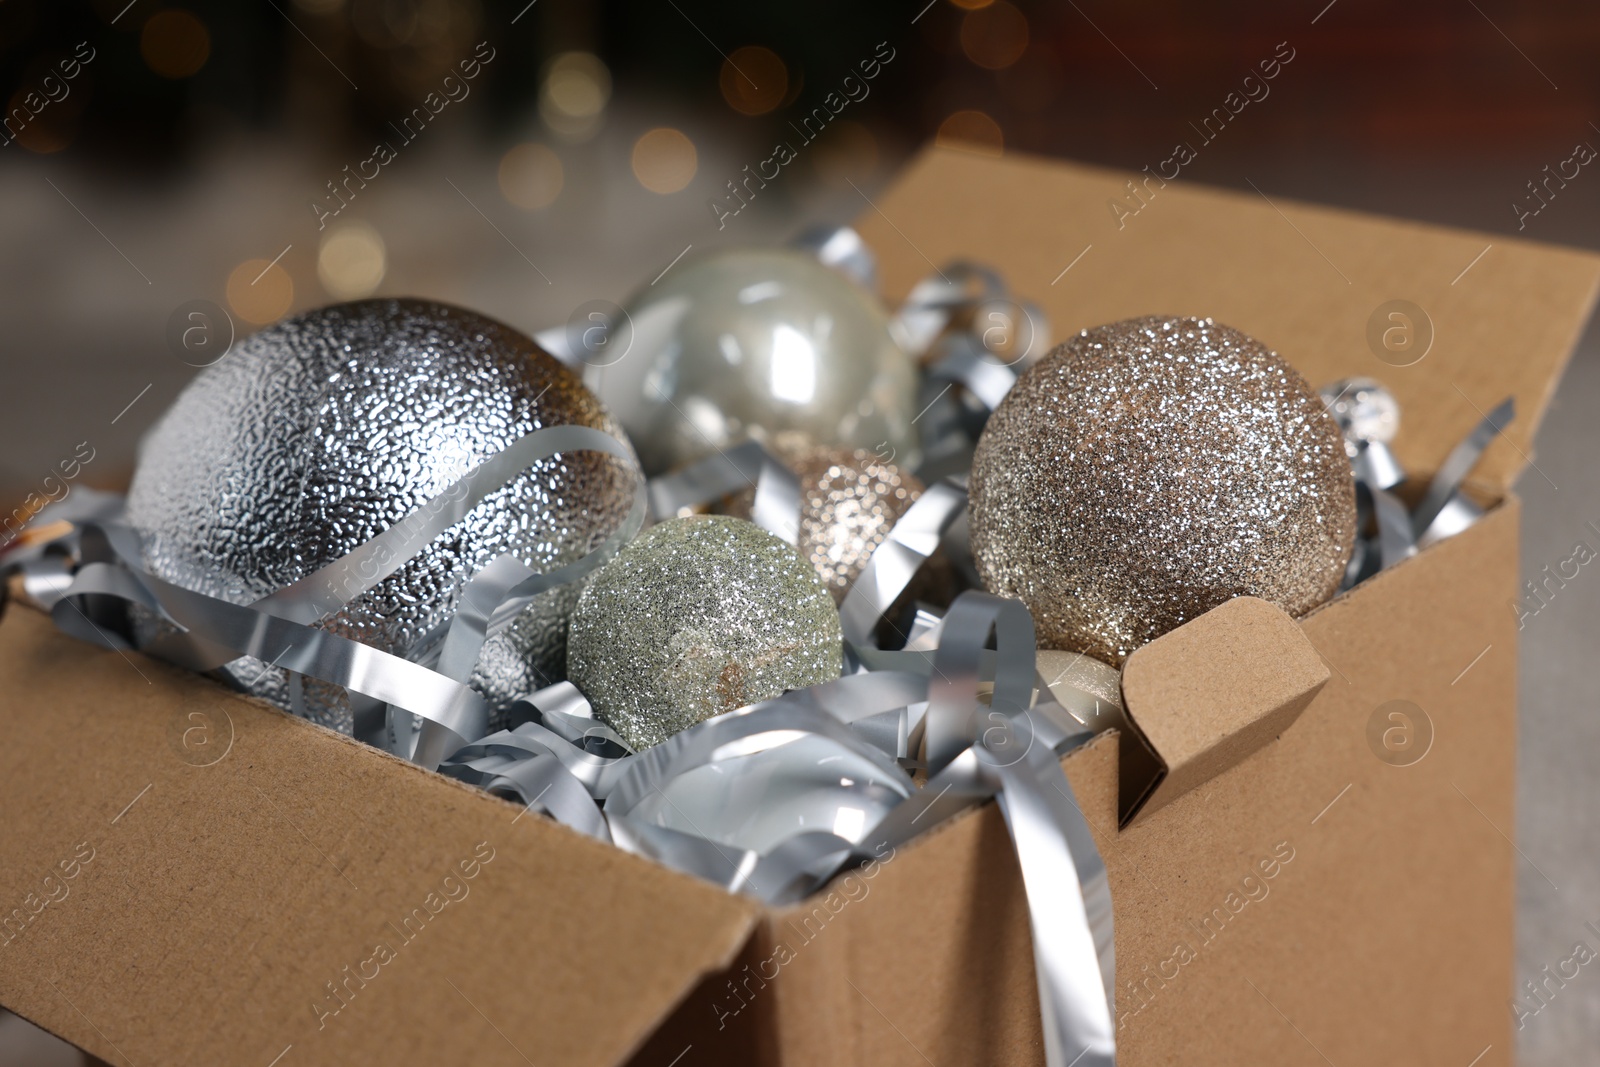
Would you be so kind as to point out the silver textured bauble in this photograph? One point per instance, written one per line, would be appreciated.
(323, 430)
(699, 616)
(751, 343)
(1145, 472)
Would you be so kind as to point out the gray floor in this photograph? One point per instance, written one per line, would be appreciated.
(82, 310)
(1560, 733)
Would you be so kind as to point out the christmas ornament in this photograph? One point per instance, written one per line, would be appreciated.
(323, 430)
(750, 343)
(849, 501)
(699, 616)
(1146, 471)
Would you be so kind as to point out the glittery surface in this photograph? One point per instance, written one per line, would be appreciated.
(321, 431)
(849, 501)
(1146, 471)
(753, 343)
(699, 616)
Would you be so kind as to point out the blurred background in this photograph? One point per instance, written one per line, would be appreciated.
(540, 155)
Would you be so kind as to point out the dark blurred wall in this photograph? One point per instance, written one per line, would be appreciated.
(1111, 82)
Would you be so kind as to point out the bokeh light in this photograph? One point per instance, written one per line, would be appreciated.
(351, 261)
(421, 41)
(531, 176)
(574, 94)
(50, 130)
(972, 130)
(972, 5)
(995, 35)
(174, 43)
(754, 80)
(260, 291)
(664, 160)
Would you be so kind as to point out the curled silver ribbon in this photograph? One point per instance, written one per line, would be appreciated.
(913, 538)
(938, 298)
(80, 505)
(965, 360)
(1444, 510)
(512, 764)
(968, 371)
(777, 503)
(458, 712)
(843, 249)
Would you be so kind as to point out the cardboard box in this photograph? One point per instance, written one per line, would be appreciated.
(1293, 898)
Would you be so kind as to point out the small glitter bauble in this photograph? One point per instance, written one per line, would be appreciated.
(1364, 409)
(699, 616)
(751, 343)
(323, 430)
(849, 501)
(1145, 472)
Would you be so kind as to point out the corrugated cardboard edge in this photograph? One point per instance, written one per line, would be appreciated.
(1206, 695)
(286, 861)
(1507, 327)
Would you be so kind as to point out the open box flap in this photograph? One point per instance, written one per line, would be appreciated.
(289, 859)
(1305, 280)
(1205, 696)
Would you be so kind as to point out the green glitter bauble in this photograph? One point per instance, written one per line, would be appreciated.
(697, 617)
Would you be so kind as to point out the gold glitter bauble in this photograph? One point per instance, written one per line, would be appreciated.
(1145, 472)
(849, 501)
